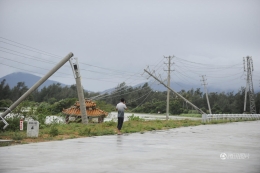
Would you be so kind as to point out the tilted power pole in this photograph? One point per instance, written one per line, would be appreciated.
(76, 73)
(168, 85)
(248, 67)
(175, 92)
(206, 91)
(34, 87)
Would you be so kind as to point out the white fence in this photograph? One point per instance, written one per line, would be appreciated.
(209, 117)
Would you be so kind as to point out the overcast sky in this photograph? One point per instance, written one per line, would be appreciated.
(115, 41)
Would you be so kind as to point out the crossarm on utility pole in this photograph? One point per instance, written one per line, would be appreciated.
(176, 93)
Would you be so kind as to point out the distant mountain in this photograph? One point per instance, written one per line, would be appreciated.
(174, 86)
(29, 80)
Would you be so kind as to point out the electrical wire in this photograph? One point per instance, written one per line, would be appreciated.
(102, 96)
(34, 49)
(207, 65)
(142, 101)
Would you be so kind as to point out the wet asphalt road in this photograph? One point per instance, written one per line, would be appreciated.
(186, 149)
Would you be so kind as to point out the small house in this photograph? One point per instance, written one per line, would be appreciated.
(94, 114)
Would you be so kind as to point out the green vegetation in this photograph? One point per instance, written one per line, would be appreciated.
(18, 136)
(76, 130)
(54, 131)
(135, 118)
(191, 115)
(142, 99)
(51, 100)
(13, 124)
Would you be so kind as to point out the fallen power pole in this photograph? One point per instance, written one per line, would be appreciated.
(41, 81)
(175, 92)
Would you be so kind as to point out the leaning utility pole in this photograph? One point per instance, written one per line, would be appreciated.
(187, 101)
(206, 91)
(76, 73)
(249, 84)
(35, 86)
(168, 85)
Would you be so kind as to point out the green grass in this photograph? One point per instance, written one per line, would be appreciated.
(76, 130)
(191, 115)
(4, 144)
(18, 136)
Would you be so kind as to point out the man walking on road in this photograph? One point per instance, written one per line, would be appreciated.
(120, 107)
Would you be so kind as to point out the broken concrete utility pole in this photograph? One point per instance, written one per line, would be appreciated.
(37, 84)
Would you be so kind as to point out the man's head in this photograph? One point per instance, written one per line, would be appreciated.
(122, 100)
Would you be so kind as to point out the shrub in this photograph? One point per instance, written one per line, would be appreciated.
(110, 123)
(54, 131)
(5, 103)
(17, 136)
(85, 132)
(135, 118)
(14, 124)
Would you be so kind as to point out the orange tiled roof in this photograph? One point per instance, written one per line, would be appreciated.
(76, 111)
(90, 107)
(88, 103)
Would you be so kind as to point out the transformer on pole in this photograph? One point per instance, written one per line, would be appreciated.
(248, 67)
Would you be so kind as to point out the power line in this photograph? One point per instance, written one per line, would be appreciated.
(50, 62)
(207, 65)
(48, 54)
(34, 49)
(57, 76)
(35, 58)
(102, 96)
(142, 101)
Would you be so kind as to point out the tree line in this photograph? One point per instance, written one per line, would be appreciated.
(144, 99)
(140, 99)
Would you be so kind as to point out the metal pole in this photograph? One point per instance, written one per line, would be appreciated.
(247, 82)
(245, 96)
(249, 86)
(37, 84)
